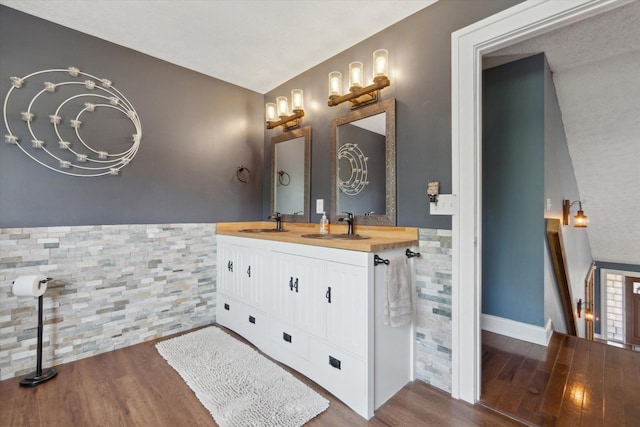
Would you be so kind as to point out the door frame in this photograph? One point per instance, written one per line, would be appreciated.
(628, 308)
(523, 21)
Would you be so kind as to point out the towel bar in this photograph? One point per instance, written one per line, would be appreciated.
(410, 254)
(377, 260)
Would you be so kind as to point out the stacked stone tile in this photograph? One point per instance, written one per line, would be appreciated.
(113, 286)
(433, 317)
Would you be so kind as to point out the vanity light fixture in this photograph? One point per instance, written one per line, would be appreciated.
(359, 94)
(278, 113)
(580, 220)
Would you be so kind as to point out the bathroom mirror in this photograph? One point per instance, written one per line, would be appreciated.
(290, 174)
(363, 164)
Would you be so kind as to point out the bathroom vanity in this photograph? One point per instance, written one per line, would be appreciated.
(316, 305)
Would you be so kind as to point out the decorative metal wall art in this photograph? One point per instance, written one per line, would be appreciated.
(84, 94)
(358, 174)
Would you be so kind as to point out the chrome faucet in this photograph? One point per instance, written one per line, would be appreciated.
(349, 220)
(278, 219)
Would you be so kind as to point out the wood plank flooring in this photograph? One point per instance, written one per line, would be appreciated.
(571, 382)
(134, 386)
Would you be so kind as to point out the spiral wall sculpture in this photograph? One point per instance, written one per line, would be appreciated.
(358, 164)
(84, 94)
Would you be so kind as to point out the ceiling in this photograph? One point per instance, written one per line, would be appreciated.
(260, 44)
(596, 71)
(256, 44)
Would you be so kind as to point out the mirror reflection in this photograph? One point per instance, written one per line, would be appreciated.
(290, 163)
(363, 164)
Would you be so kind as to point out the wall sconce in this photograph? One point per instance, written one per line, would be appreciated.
(278, 113)
(588, 313)
(359, 94)
(588, 310)
(433, 189)
(580, 220)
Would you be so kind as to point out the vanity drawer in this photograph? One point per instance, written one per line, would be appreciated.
(253, 325)
(288, 344)
(343, 375)
(228, 312)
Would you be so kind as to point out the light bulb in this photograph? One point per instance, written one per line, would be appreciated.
(335, 83)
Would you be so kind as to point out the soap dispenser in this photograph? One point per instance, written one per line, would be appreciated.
(324, 224)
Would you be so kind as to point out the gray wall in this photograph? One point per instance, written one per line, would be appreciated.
(420, 62)
(513, 226)
(196, 131)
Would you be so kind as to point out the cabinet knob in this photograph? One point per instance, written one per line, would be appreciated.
(291, 283)
(226, 306)
(252, 320)
(328, 295)
(286, 337)
(230, 266)
(296, 284)
(249, 271)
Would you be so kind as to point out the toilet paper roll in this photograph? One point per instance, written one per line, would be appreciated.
(30, 286)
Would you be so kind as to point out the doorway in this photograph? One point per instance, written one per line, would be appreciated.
(521, 22)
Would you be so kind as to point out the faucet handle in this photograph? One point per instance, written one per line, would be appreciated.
(277, 217)
(349, 214)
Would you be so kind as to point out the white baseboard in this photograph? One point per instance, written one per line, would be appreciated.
(518, 330)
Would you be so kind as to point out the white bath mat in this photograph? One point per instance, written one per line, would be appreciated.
(238, 385)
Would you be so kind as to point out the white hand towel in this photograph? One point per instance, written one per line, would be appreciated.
(397, 291)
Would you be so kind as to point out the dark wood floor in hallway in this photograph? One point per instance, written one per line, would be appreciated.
(134, 386)
(571, 382)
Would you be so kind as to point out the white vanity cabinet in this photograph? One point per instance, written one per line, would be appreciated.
(318, 314)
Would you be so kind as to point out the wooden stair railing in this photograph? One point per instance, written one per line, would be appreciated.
(561, 270)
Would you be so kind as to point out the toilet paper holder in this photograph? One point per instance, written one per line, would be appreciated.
(40, 283)
(40, 375)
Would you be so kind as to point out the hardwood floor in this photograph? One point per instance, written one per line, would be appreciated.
(134, 386)
(571, 382)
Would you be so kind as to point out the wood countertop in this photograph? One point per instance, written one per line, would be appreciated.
(381, 237)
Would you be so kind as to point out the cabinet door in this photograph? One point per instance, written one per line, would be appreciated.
(228, 266)
(254, 275)
(281, 292)
(310, 313)
(297, 294)
(346, 302)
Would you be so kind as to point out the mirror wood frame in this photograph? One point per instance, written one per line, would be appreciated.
(388, 107)
(287, 136)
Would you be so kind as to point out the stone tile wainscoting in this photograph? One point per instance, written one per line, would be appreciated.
(433, 312)
(113, 286)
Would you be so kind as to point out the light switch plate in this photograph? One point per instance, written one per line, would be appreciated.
(319, 206)
(447, 205)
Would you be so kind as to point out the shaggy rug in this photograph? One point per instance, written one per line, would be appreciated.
(237, 385)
